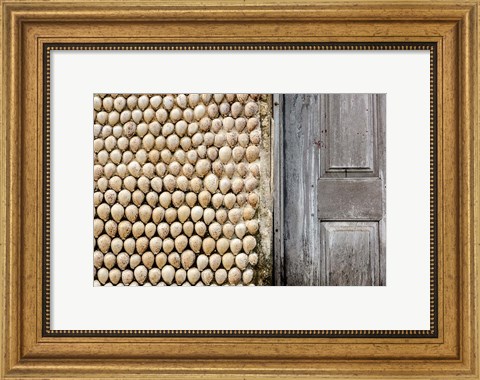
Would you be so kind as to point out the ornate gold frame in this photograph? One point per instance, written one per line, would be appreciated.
(30, 26)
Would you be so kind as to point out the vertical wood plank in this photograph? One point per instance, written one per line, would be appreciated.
(381, 114)
(278, 178)
(301, 167)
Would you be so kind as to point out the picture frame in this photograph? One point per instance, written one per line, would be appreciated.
(30, 349)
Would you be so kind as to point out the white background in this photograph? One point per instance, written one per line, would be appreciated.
(402, 304)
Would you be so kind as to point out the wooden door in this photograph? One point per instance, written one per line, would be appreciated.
(332, 153)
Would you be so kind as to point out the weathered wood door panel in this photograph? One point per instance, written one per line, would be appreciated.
(351, 252)
(333, 189)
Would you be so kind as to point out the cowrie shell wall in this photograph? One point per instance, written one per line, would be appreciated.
(180, 187)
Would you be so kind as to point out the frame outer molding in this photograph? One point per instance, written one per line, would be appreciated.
(25, 353)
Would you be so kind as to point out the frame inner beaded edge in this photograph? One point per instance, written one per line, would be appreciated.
(431, 333)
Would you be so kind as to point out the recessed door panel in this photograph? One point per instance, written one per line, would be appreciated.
(351, 253)
(349, 133)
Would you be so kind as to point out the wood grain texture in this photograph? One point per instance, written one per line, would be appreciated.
(344, 198)
(334, 170)
(348, 135)
(351, 253)
(301, 162)
(278, 274)
(355, 147)
(27, 25)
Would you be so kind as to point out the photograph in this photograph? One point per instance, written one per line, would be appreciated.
(239, 189)
(296, 184)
